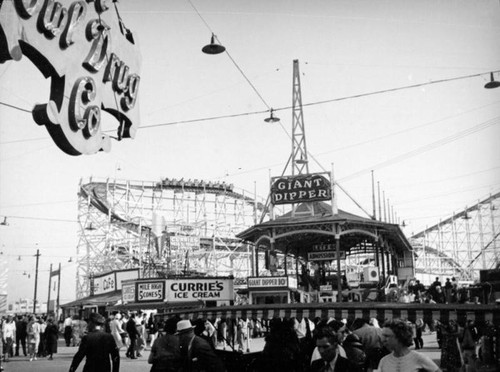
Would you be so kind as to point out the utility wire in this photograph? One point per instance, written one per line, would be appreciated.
(40, 219)
(274, 109)
(428, 147)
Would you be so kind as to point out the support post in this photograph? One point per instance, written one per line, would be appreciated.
(374, 216)
(337, 250)
(58, 290)
(36, 280)
(50, 283)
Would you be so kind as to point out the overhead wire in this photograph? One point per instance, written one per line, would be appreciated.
(427, 147)
(260, 112)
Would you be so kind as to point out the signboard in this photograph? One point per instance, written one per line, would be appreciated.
(325, 255)
(205, 289)
(184, 242)
(128, 292)
(92, 59)
(303, 188)
(104, 284)
(150, 291)
(112, 281)
(268, 282)
(125, 275)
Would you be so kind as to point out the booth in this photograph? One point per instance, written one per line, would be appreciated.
(165, 295)
(271, 289)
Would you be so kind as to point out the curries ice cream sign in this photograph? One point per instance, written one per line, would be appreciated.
(93, 62)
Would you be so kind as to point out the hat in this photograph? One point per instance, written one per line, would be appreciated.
(97, 318)
(353, 340)
(184, 326)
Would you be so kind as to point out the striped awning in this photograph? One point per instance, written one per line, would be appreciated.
(367, 310)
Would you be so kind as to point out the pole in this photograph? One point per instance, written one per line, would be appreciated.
(335, 209)
(58, 291)
(50, 283)
(36, 280)
(337, 250)
(379, 204)
(374, 216)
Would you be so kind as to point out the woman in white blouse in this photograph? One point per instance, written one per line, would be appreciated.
(397, 337)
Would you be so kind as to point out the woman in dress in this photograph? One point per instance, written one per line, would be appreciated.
(33, 337)
(51, 336)
(397, 338)
(116, 330)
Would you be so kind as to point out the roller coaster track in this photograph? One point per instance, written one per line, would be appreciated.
(121, 222)
(462, 244)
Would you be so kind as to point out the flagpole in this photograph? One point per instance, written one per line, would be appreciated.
(50, 285)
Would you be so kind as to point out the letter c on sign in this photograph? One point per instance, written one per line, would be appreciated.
(84, 92)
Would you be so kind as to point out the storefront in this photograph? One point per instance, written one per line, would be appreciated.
(271, 290)
(164, 295)
(105, 291)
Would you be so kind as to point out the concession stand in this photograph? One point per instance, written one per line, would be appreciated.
(169, 294)
(105, 291)
(314, 239)
(271, 290)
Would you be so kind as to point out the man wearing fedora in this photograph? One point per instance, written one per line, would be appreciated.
(98, 347)
(197, 354)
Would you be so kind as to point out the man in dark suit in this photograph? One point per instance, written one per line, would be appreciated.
(327, 343)
(131, 329)
(98, 347)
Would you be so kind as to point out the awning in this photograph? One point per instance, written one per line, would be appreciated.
(159, 306)
(351, 310)
(105, 299)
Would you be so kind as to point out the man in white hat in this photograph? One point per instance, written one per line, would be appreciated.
(197, 354)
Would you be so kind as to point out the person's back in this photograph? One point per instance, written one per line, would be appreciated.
(196, 353)
(371, 338)
(99, 349)
(165, 354)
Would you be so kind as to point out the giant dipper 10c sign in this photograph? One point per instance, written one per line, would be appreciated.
(92, 60)
(303, 188)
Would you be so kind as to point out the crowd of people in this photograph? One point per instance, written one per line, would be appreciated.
(437, 292)
(291, 344)
(32, 336)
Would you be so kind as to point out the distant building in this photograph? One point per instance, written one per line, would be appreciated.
(25, 305)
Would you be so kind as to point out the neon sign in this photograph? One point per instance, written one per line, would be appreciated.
(92, 60)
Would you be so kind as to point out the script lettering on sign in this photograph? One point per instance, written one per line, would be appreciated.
(303, 188)
(93, 62)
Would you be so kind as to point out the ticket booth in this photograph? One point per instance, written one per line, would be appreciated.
(271, 290)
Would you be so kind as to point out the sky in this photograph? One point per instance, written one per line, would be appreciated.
(433, 148)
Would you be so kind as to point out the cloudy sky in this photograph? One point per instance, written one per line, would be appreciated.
(392, 86)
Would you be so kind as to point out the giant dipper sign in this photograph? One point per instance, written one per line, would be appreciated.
(303, 188)
(92, 60)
